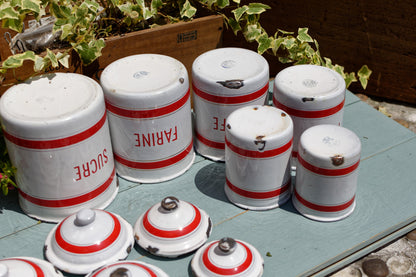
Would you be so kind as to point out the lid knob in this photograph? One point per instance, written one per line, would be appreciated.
(84, 217)
(169, 203)
(227, 245)
(4, 270)
(121, 272)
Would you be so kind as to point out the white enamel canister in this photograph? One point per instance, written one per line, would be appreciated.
(327, 171)
(57, 135)
(224, 80)
(258, 145)
(311, 95)
(148, 102)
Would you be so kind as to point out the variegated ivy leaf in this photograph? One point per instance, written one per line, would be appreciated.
(91, 5)
(187, 10)
(63, 59)
(238, 13)
(289, 42)
(40, 64)
(303, 35)
(264, 42)
(14, 24)
(235, 26)
(156, 5)
(252, 32)
(223, 3)
(31, 5)
(257, 8)
(275, 44)
(350, 78)
(88, 52)
(17, 60)
(364, 74)
(236, 1)
(51, 56)
(8, 12)
(60, 11)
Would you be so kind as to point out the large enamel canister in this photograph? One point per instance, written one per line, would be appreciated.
(311, 95)
(57, 135)
(327, 172)
(224, 80)
(148, 102)
(258, 145)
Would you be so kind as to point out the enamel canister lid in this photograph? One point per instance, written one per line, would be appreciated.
(88, 240)
(330, 146)
(144, 81)
(128, 269)
(27, 267)
(172, 227)
(230, 71)
(52, 106)
(227, 257)
(309, 87)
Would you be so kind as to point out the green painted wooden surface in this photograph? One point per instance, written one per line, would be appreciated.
(298, 246)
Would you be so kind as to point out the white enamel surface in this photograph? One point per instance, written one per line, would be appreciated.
(90, 234)
(317, 146)
(20, 266)
(230, 64)
(144, 81)
(320, 143)
(51, 106)
(257, 174)
(131, 268)
(148, 82)
(293, 83)
(227, 260)
(173, 220)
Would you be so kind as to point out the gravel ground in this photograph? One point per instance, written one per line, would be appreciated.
(398, 259)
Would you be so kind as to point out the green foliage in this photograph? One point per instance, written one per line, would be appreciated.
(7, 171)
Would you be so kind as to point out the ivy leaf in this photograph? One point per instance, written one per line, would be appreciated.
(18, 59)
(303, 35)
(7, 12)
(187, 10)
(31, 5)
(156, 5)
(264, 43)
(236, 1)
(289, 42)
(239, 12)
(235, 26)
(349, 78)
(51, 56)
(257, 8)
(40, 64)
(252, 32)
(275, 44)
(88, 52)
(223, 3)
(364, 74)
(63, 59)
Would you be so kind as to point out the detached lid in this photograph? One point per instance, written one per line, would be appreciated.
(172, 228)
(88, 240)
(227, 257)
(27, 267)
(128, 269)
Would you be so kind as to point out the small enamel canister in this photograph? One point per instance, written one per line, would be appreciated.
(57, 136)
(327, 171)
(128, 269)
(227, 257)
(148, 102)
(258, 145)
(172, 228)
(311, 95)
(224, 80)
(88, 240)
(27, 267)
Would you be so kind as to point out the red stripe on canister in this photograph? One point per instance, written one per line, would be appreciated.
(57, 143)
(155, 165)
(240, 268)
(259, 154)
(256, 194)
(61, 203)
(147, 269)
(309, 114)
(210, 143)
(239, 99)
(325, 171)
(88, 249)
(324, 208)
(38, 271)
(171, 234)
(150, 113)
